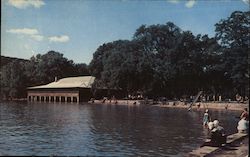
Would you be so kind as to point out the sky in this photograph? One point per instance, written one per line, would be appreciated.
(77, 28)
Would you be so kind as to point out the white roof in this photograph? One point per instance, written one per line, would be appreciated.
(69, 82)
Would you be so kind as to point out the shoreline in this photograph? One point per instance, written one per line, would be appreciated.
(177, 104)
(234, 106)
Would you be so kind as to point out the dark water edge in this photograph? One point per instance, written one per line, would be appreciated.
(103, 130)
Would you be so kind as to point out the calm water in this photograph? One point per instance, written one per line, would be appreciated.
(102, 130)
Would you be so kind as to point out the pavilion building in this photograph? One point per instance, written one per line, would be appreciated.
(71, 89)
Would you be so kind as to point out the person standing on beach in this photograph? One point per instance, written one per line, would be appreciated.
(206, 118)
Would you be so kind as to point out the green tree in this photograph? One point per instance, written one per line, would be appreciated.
(44, 68)
(81, 69)
(122, 65)
(233, 35)
(160, 60)
(13, 81)
(17, 75)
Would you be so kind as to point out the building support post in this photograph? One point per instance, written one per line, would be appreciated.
(77, 99)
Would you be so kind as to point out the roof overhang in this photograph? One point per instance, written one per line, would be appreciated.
(69, 82)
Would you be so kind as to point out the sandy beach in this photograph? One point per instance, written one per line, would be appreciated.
(179, 104)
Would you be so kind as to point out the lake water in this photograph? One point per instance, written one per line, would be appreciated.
(103, 130)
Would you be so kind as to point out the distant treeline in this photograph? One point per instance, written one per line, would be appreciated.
(5, 60)
(18, 74)
(160, 60)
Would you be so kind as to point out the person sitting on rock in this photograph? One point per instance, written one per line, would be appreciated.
(218, 136)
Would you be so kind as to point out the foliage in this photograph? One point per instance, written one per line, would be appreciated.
(163, 60)
(17, 75)
(13, 80)
(233, 35)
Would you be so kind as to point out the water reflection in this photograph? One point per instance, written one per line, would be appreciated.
(112, 130)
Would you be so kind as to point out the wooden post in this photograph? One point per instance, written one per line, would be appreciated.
(77, 99)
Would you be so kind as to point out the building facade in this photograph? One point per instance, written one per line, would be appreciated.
(71, 89)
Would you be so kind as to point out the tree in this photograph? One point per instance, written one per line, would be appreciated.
(81, 69)
(122, 65)
(233, 35)
(44, 68)
(13, 81)
(160, 60)
(177, 58)
(17, 75)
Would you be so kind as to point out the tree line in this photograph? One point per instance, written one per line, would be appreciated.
(159, 60)
(18, 74)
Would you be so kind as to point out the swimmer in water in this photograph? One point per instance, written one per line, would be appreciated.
(206, 118)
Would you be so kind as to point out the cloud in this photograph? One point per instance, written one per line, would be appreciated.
(173, 1)
(22, 4)
(30, 32)
(246, 1)
(37, 37)
(62, 38)
(27, 31)
(190, 3)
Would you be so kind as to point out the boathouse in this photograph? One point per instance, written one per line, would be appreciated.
(71, 89)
